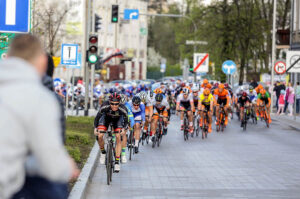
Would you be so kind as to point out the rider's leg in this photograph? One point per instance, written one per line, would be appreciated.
(124, 145)
(217, 113)
(137, 130)
(190, 117)
(209, 121)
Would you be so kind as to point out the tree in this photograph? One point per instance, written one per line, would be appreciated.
(48, 19)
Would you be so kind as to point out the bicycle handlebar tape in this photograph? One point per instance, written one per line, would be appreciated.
(102, 128)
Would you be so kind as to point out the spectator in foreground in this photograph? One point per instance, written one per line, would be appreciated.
(291, 99)
(30, 127)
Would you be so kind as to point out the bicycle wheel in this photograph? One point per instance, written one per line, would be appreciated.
(154, 140)
(147, 137)
(267, 120)
(108, 164)
(198, 128)
(130, 144)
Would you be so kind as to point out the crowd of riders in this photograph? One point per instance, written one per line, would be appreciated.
(139, 108)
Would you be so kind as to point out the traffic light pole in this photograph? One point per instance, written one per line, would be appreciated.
(87, 16)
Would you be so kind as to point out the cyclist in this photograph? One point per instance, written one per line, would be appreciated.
(185, 102)
(146, 99)
(138, 110)
(206, 102)
(111, 112)
(222, 98)
(205, 85)
(253, 98)
(195, 97)
(243, 101)
(259, 88)
(131, 120)
(160, 107)
(263, 98)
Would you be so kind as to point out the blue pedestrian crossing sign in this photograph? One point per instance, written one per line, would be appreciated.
(229, 67)
(15, 16)
(69, 54)
(131, 14)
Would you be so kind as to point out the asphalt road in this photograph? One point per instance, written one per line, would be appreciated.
(259, 163)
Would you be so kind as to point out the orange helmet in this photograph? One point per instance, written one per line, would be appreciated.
(205, 81)
(263, 91)
(206, 91)
(157, 91)
(221, 86)
(260, 86)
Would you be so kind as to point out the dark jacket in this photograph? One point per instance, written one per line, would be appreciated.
(278, 88)
(48, 82)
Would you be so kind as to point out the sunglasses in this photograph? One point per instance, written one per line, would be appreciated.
(114, 104)
(136, 105)
(206, 95)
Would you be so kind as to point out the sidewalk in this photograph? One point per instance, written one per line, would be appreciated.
(288, 120)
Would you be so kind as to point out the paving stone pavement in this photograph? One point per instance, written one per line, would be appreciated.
(260, 163)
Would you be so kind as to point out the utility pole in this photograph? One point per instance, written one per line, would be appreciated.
(273, 49)
(87, 29)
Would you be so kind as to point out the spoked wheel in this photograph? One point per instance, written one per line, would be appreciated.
(267, 120)
(130, 145)
(154, 140)
(109, 165)
(147, 138)
(198, 128)
(159, 138)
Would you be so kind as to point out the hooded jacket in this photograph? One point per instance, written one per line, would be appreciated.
(29, 124)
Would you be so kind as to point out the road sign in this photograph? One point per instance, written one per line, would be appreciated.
(291, 58)
(131, 14)
(191, 42)
(229, 67)
(201, 61)
(14, 16)
(280, 67)
(163, 68)
(69, 54)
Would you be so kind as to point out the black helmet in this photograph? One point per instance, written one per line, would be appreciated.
(159, 97)
(115, 97)
(136, 100)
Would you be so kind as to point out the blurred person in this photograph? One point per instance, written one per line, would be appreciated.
(287, 93)
(277, 89)
(253, 83)
(281, 102)
(34, 162)
(297, 93)
(291, 100)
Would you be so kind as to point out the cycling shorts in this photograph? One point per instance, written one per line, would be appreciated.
(185, 106)
(222, 101)
(156, 115)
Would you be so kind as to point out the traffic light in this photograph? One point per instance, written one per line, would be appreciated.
(115, 13)
(97, 22)
(92, 56)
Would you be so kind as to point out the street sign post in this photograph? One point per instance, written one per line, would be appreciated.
(131, 14)
(280, 67)
(201, 61)
(69, 54)
(293, 61)
(15, 16)
(229, 67)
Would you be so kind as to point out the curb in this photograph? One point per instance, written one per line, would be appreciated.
(80, 187)
(287, 123)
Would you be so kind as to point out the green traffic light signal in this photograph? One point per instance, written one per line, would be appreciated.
(93, 59)
(115, 19)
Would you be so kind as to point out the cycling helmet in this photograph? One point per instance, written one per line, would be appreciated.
(250, 88)
(136, 100)
(157, 91)
(143, 96)
(221, 86)
(226, 85)
(159, 97)
(216, 85)
(205, 81)
(123, 99)
(186, 91)
(244, 94)
(182, 84)
(151, 94)
(115, 97)
(195, 89)
(206, 91)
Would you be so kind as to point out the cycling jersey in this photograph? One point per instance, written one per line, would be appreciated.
(159, 108)
(265, 99)
(196, 100)
(107, 116)
(252, 96)
(130, 114)
(206, 101)
(242, 101)
(139, 113)
(221, 95)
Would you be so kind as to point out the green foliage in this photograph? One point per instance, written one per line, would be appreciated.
(80, 138)
(74, 153)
